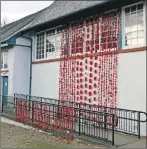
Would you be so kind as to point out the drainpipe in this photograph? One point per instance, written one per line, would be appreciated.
(30, 82)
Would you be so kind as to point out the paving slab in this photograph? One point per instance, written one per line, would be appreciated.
(142, 143)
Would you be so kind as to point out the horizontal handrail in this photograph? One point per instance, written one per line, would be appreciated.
(95, 106)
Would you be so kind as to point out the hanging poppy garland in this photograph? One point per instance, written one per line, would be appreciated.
(88, 69)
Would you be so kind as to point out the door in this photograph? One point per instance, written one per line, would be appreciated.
(5, 89)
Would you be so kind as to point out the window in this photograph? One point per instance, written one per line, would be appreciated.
(48, 44)
(77, 38)
(4, 60)
(134, 27)
(40, 46)
(109, 30)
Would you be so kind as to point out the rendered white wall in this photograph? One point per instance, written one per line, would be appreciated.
(22, 67)
(132, 83)
(45, 80)
(10, 72)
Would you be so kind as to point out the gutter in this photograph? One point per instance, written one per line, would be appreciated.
(13, 44)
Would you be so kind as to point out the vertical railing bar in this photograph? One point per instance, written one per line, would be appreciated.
(139, 125)
(126, 120)
(79, 121)
(105, 118)
(2, 103)
(134, 122)
(113, 141)
(129, 120)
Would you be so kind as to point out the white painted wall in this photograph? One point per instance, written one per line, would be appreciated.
(45, 80)
(132, 80)
(21, 67)
(10, 72)
(132, 83)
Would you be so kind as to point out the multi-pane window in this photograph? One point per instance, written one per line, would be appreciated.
(134, 25)
(49, 43)
(108, 30)
(40, 46)
(58, 41)
(4, 59)
(95, 34)
(77, 38)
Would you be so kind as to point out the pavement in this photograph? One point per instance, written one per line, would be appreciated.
(121, 140)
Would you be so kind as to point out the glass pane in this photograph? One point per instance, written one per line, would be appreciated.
(140, 27)
(140, 6)
(140, 17)
(140, 40)
(128, 42)
(134, 41)
(2, 56)
(133, 8)
(5, 65)
(127, 10)
(140, 33)
(127, 20)
(134, 28)
(128, 36)
(133, 18)
(134, 35)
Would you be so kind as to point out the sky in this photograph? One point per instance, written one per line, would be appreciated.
(14, 10)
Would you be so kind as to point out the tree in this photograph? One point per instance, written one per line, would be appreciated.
(5, 21)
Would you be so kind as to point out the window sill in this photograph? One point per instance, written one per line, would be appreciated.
(4, 70)
(127, 50)
(94, 54)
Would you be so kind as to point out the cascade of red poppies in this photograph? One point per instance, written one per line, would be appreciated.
(88, 66)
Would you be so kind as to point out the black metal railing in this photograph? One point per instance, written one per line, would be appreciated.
(90, 120)
(60, 117)
(126, 121)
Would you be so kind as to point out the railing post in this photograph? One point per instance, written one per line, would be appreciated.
(2, 104)
(58, 108)
(41, 112)
(113, 141)
(32, 111)
(139, 125)
(14, 105)
(29, 101)
(105, 118)
(79, 121)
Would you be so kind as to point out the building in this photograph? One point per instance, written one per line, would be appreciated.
(88, 51)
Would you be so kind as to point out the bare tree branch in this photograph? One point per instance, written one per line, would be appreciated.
(5, 21)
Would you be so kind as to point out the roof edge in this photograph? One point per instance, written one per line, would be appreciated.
(79, 11)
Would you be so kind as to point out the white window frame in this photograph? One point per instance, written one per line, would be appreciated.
(2, 52)
(123, 25)
(44, 31)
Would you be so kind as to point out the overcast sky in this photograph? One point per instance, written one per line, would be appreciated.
(14, 10)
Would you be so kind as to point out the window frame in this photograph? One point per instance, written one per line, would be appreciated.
(123, 46)
(44, 31)
(2, 52)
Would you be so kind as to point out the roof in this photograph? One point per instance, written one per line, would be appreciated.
(56, 10)
(11, 29)
(61, 9)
